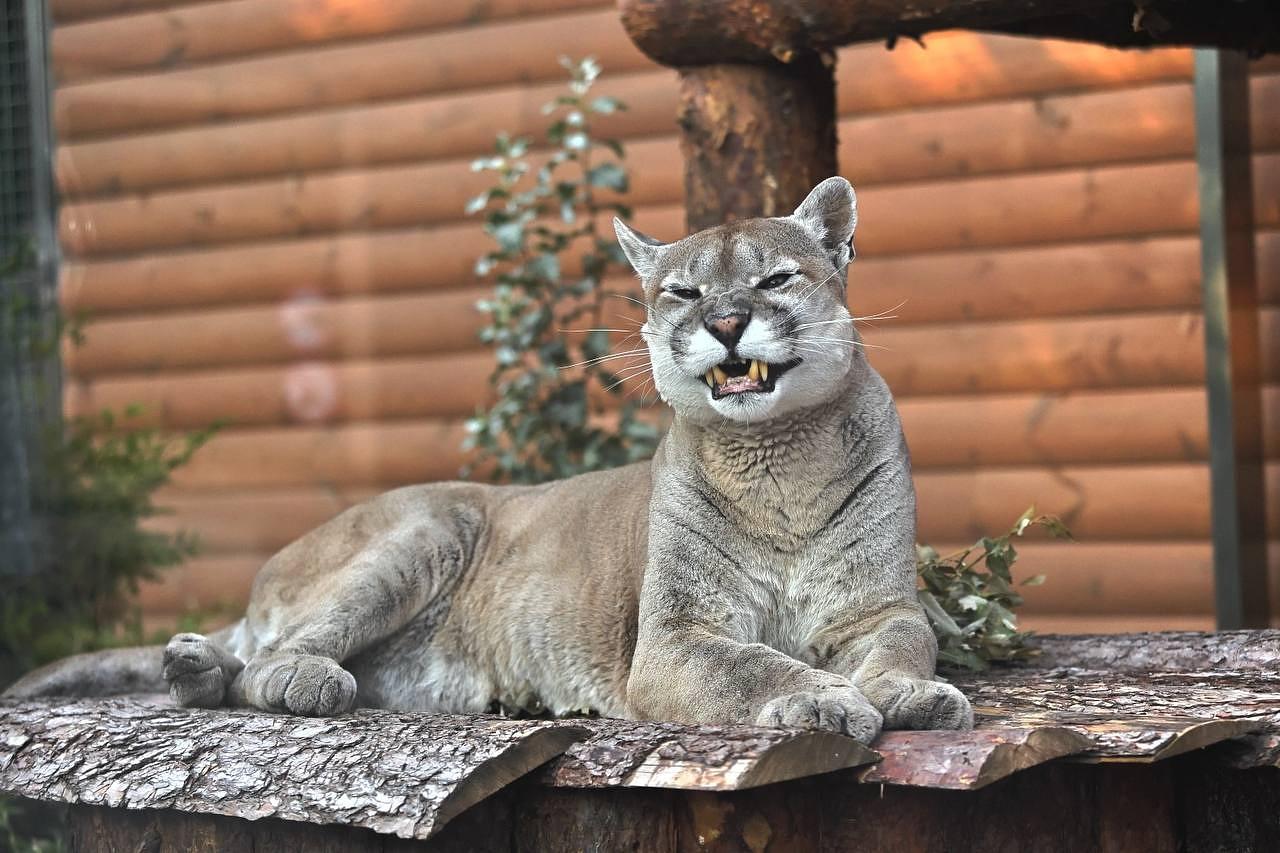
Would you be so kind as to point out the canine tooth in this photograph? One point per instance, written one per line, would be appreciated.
(754, 370)
(720, 375)
(711, 380)
(764, 370)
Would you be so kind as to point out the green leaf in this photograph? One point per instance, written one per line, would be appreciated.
(605, 105)
(595, 344)
(608, 175)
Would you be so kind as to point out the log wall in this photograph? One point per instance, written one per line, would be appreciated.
(262, 214)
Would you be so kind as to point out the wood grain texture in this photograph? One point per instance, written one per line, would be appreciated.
(1118, 275)
(1107, 202)
(440, 126)
(399, 774)
(1007, 137)
(760, 31)
(966, 761)
(189, 35)
(958, 69)
(403, 66)
(712, 758)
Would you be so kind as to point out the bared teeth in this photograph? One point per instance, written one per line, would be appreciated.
(711, 380)
(764, 370)
(753, 372)
(720, 375)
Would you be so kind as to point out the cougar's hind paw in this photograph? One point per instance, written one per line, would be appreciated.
(193, 667)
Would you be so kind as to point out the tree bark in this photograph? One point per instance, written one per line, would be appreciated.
(755, 138)
(397, 774)
(679, 33)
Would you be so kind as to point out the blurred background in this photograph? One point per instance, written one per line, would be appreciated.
(262, 220)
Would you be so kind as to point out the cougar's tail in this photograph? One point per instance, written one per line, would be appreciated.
(106, 673)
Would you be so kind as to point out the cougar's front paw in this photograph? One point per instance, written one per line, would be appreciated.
(844, 710)
(193, 668)
(307, 685)
(910, 703)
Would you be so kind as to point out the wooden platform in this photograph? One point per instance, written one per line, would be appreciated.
(1126, 742)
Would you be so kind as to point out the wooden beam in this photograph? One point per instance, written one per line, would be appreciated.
(676, 32)
(755, 138)
(1233, 360)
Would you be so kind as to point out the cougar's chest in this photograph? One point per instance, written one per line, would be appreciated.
(792, 590)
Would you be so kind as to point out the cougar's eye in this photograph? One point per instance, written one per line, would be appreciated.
(775, 280)
(685, 292)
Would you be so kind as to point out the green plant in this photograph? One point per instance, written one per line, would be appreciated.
(550, 418)
(91, 487)
(98, 487)
(971, 608)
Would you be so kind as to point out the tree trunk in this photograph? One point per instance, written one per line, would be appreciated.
(755, 138)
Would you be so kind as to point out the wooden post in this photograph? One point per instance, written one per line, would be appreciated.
(1233, 360)
(757, 101)
(755, 138)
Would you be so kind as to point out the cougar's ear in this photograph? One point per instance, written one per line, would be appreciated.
(642, 250)
(830, 213)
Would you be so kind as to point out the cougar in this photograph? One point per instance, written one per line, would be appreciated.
(759, 569)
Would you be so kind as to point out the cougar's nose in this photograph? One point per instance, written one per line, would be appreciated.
(728, 328)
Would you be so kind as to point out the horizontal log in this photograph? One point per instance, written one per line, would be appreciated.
(395, 67)
(870, 79)
(257, 521)
(391, 197)
(1146, 425)
(1006, 137)
(1105, 202)
(206, 583)
(676, 34)
(187, 35)
(1127, 502)
(441, 126)
(1117, 578)
(304, 327)
(1234, 651)
(957, 67)
(1138, 350)
(1126, 351)
(66, 11)
(343, 264)
(1140, 124)
(1076, 428)
(303, 393)
(419, 771)
(1094, 277)
(1111, 201)
(349, 455)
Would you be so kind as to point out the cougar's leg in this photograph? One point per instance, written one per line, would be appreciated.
(304, 622)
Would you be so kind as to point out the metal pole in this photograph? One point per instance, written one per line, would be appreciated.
(1232, 352)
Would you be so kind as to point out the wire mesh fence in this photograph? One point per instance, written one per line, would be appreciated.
(30, 390)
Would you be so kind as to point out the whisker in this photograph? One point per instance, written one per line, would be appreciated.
(588, 331)
(609, 357)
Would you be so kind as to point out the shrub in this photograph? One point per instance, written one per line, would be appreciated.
(553, 251)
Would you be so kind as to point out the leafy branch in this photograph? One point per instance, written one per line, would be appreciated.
(970, 597)
(550, 418)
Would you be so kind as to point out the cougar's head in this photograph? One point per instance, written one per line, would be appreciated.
(747, 321)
